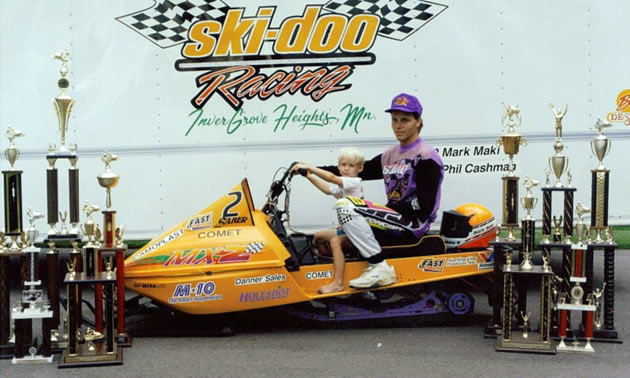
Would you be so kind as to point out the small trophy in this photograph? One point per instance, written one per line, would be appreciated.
(529, 201)
(557, 235)
(599, 305)
(511, 142)
(89, 227)
(109, 180)
(580, 227)
(558, 162)
(525, 325)
(600, 145)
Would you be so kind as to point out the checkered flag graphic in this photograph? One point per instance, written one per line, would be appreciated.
(254, 247)
(399, 18)
(166, 23)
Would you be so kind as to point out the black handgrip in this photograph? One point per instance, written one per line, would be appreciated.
(303, 171)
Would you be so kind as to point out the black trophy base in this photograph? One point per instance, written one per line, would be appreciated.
(520, 344)
(62, 237)
(86, 358)
(492, 331)
(7, 351)
(606, 336)
(124, 340)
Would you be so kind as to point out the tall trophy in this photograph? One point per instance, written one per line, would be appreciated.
(12, 192)
(63, 108)
(511, 141)
(600, 145)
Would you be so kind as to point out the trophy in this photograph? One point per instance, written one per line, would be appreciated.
(597, 297)
(63, 108)
(600, 145)
(63, 103)
(580, 227)
(511, 142)
(89, 227)
(557, 235)
(525, 325)
(528, 224)
(529, 201)
(558, 162)
(109, 180)
(12, 192)
(32, 305)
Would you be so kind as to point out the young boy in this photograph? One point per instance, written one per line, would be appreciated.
(348, 184)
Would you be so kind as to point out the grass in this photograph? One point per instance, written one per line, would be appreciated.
(620, 234)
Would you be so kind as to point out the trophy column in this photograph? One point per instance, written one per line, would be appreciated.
(113, 242)
(12, 229)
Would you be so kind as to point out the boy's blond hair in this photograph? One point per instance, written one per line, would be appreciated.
(352, 154)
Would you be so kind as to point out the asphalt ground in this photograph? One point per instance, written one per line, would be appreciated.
(272, 343)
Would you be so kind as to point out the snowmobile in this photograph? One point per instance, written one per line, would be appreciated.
(232, 257)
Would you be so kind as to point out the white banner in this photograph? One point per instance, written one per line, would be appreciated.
(195, 95)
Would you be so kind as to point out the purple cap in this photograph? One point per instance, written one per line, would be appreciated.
(406, 103)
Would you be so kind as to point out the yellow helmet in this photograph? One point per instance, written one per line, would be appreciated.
(470, 225)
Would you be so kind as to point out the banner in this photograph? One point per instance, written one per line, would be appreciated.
(195, 95)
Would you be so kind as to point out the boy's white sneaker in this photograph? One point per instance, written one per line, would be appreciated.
(375, 276)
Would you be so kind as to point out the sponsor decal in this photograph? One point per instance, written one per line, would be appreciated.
(241, 281)
(622, 111)
(244, 53)
(432, 265)
(167, 239)
(200, 222)
(148, 285)
(231, 232)
(488, 260)
(214, 255)
(264, 295)
(201, 292)
(461, 261)
(320, 275)
(231, 220)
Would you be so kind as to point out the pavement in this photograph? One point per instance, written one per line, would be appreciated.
(271, 343)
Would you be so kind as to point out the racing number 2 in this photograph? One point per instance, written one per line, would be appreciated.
(238, 196)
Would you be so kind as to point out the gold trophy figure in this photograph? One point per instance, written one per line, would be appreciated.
(558, 162)
(12, 153)
(580, 227)
(89, 227)
(511, 141)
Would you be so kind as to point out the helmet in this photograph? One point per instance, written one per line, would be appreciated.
(468, 226)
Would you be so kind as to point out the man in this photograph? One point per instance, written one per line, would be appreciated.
(412, 172)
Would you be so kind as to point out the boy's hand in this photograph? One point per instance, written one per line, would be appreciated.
(300, 166)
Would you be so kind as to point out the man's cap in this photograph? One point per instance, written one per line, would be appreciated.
(406, 103)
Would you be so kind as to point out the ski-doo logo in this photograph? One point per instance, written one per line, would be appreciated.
(231, 53)
(432, 265)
